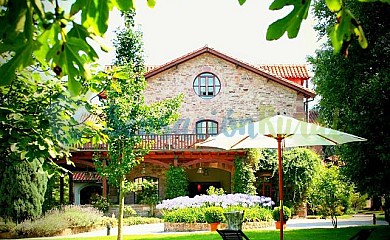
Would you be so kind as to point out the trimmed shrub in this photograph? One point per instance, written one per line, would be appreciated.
(286, 214)
(185, 215)
(214, 214)
(129, 221)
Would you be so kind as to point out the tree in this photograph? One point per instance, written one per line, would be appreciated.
(299, 167)
(37, 126)
(354, 98)
(127, 115)
(22, 189)
(58, 40)
(329, 195)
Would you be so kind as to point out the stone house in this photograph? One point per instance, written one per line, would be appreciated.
(220, 92)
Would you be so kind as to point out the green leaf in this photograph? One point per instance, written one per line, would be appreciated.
(151, 3)
(124, 5)
(22, 58)
(38, 7)
(343, 30)
(334, 5)
(52, 153)
(241, 2)
(46, 41)
(292, 22)
(94, 16)
(13, 147)
(361, 37)
(76, 7)
(79, 31)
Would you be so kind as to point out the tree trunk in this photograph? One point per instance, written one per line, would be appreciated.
(121, 207)
(386, 208)
(334, 221)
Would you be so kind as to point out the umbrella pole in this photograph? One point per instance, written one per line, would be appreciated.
(279, 139)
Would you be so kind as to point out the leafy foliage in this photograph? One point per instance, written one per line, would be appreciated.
(244, 177)
(215, 191)
(213, 214)
(185, 215)
(299, 167)
(330, 195)
(177, 182)
(292, 22)
(128, 115)
(37, 126)
(23, 186)
(99, 202)
(58, 220)
(55, 37)
(346, 26)
(354, 98)
(198, 214)
(286, 214)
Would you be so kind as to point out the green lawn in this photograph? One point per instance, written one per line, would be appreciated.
(380, 233)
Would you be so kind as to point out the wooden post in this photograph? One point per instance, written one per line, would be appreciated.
(279, 139)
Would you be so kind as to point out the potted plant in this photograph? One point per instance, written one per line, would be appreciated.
(276, 216)
(213, 216)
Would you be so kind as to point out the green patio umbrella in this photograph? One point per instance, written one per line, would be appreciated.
(275, 132)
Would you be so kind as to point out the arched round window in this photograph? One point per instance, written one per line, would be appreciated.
(207, 85)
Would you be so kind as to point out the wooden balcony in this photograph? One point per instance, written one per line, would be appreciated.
(157, 142)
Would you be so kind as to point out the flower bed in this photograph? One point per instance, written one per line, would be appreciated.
(188, 214)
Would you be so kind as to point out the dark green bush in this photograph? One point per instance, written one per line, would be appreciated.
(286, 214)
(214, 214)
(185, 215)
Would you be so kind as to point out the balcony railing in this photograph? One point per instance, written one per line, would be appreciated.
(158, 142)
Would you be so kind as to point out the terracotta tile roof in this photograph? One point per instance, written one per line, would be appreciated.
(287, 70)
(261, 71)
(86, 177)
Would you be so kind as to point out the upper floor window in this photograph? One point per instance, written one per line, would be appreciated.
(207, 85)
(207, 127)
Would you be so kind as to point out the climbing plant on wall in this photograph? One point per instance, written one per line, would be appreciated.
(177, 182)
(244, 172)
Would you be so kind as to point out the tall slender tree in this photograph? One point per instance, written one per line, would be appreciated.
(127, 115)
(355, 94)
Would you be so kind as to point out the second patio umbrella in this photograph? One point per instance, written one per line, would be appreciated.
(275, 132)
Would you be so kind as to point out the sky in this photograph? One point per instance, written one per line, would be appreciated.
(174, 28)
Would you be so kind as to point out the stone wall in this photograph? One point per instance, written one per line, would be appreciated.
(188, 227)
(244, 95)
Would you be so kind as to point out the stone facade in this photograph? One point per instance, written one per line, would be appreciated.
(244, 95)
